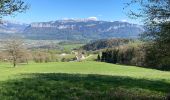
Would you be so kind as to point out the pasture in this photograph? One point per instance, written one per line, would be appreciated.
(81, 81)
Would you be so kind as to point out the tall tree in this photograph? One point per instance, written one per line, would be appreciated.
(156, 18)
(98, 57)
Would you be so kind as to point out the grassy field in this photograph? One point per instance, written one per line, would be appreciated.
(71, 46)
(82, 81)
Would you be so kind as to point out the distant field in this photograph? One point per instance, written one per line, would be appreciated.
(71, 46)
(81, 81)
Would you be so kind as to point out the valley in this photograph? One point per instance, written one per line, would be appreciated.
(84, 49)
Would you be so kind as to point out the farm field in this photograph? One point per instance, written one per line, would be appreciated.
(81, 80)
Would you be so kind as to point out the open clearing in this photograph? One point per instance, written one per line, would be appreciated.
(81, 80)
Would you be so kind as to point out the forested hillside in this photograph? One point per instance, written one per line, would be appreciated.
(105, 43)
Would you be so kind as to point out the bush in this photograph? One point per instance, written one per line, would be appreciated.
(68, 59)
(121, 55)
(143, 55)
(40, 57)
(156, 58)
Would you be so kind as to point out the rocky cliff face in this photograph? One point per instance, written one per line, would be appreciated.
(72, 29)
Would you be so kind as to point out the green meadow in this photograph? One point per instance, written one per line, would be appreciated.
(82, 81)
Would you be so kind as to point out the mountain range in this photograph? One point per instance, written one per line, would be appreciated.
(71, 29)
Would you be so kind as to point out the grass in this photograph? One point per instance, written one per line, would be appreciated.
(67, 57)
(71, 46)
(91, 57)
(68, 46)
(81, 81)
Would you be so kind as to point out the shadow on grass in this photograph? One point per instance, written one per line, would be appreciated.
(82, 87)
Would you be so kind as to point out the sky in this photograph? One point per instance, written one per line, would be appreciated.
(51, 10)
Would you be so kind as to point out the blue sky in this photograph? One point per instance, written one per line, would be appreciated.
(51, 10)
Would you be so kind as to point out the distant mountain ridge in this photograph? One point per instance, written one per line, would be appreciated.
(12, 27)
(72, 29)
(8, 28)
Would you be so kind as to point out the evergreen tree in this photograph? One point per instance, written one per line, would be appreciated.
(98, 58)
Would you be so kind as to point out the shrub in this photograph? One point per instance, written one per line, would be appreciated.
(121, 55)
(40, 57)
(143, 55)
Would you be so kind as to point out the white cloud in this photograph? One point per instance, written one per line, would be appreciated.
(93, 18)
(124, 20)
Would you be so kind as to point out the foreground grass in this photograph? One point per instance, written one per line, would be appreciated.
(82, 80)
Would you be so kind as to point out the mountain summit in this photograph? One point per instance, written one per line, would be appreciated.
(74, 29)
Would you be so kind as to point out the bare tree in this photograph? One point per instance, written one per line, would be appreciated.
(11, 7)
(15, 49)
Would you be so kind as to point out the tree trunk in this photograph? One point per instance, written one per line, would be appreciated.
(14, 63)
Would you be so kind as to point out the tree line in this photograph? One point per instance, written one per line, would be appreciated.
(142, 55)
(14, 50)
(156, 51)
(105, 43)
